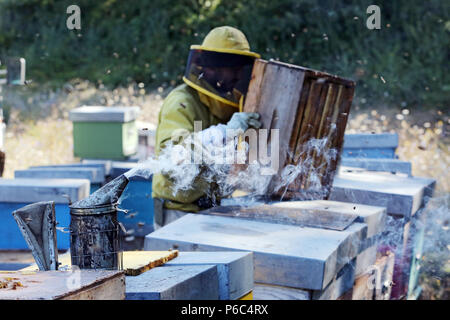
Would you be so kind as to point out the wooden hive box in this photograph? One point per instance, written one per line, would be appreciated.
(303, 104)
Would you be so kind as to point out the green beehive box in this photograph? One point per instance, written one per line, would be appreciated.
(104, 132)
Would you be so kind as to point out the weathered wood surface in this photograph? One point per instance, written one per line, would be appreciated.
(134, 262)
(35, 190)
(286, 255)
(279, 213)
(304, 104)
(400, 195)
(365, 260)
(138, 262)
(195, 282)
(339, 286)
(235, 270)
(362, 289)
(65, 285)
(386, 269)
(276, 101)
(376, 282)
(342, 283)
(373, 216)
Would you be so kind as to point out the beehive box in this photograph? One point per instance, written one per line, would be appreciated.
(104, 132)
(17, 193)
(303, 104)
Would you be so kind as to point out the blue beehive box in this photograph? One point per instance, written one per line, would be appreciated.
(97, 178)
(367, 145)
(17, 193)
(137, 200)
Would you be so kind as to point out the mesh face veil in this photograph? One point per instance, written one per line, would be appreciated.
(223, 75)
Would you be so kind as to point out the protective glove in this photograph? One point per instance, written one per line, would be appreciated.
(218, 135)
(243, 121)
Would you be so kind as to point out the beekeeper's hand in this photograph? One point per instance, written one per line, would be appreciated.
(243, 121)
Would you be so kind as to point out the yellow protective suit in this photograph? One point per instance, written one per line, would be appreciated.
(181, 108)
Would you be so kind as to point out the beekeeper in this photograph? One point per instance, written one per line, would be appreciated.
(216, 80)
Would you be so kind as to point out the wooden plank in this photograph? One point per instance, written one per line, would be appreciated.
(134, 262)
(298, 120)
(54, 285)
(337, 136)
(386, 267)
(312, 127)
(320, 158)
(304, 133)
(376, 283)
(315, 218)
(138, 262)
(315, 74)
(303, 101)
(331, 133)
(301, 257)
(263, 291)
(374, 217)
(255, 86)
(362, 290)
(107, 290)
(275, 100)
(300, 152)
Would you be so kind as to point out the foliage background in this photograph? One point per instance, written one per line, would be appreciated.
(147, 41)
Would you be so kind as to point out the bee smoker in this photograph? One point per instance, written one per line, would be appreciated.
(95, 232)
(95, 241)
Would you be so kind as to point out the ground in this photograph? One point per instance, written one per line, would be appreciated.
(40, 133)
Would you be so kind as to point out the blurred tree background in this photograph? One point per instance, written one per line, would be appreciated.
(404, 63)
